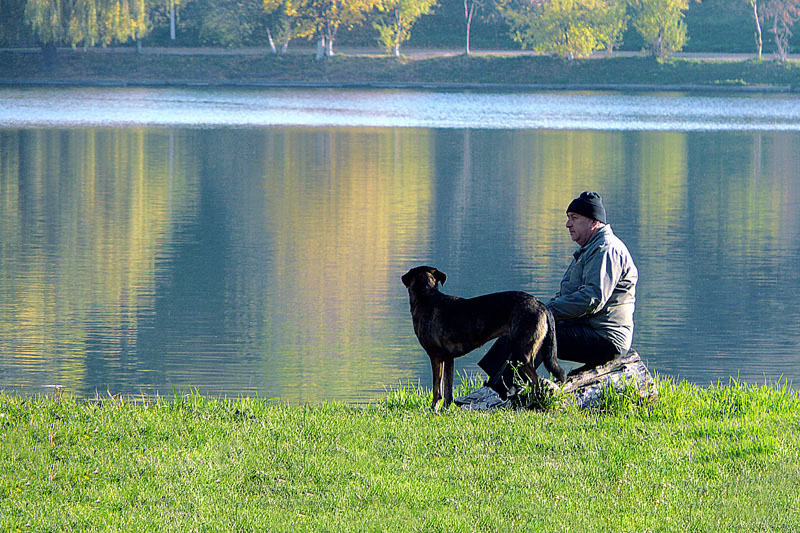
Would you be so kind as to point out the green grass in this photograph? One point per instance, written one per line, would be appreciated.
(724, 457)
(477, 69)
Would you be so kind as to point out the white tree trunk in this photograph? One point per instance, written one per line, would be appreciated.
(271, 43)
(172, 21)
(469, 9)
(320, 48)
(759, 42)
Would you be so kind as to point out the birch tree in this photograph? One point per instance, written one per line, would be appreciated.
(757, 19)
(394, 25)
(281, 26)
(321, 19)
(470, 7)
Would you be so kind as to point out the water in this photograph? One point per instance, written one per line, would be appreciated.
(37, 107)
(246, 242)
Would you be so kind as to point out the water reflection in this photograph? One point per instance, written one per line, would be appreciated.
(268, 260)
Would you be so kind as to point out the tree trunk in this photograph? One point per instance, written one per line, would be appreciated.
(320, 49)
(271, 43)
(398, 21)
(172, 20)
(469, 9)
(570, 55)
(285, 46)
(780, 41)
(329, 47)
(759, 42)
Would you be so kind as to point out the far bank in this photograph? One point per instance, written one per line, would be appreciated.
(498, 70)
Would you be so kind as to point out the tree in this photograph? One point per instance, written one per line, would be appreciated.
(231, 22)
(470, 6)
(85, 22)
(660, 23)
(613, 21)
(119, 21)
(281, 27)
(756, 18)
(567, 28)
(781, 15)
(47, 20)
(321, 19)
(394, 26)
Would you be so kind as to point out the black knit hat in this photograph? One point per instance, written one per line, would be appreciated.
(588, 204)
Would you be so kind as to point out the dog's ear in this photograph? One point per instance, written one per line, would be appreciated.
(406, 278)
(439, 276)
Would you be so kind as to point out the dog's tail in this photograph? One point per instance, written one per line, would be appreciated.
(550, 349)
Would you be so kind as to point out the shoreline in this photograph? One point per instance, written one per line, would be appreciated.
(379, 85)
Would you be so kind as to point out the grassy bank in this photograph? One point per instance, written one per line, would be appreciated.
(700, 459)
(478, 69)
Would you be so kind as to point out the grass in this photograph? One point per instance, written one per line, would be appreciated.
(460, 69)
(723, 457)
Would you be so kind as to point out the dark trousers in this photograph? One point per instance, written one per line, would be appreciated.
(580, 343)
(576, 342)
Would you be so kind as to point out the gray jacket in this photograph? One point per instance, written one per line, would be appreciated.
(599, 288)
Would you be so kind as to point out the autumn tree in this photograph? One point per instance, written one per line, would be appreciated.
(281, 26)
(780, 16)
(321, 19)
(661, 25)
(567, 28)
(395, 23)
(613, 21)
(86, 22)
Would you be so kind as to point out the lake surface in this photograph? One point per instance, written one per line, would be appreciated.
(252, 242)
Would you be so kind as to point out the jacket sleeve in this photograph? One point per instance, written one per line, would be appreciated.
(600, 275)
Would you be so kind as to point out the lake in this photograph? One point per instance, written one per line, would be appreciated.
(246, 242)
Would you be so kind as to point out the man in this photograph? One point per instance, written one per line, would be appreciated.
(593, 308)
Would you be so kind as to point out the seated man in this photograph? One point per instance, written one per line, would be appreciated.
(594, 306)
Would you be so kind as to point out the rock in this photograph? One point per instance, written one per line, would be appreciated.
(586, 388)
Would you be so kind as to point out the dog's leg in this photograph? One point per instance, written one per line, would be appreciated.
(437, 369)
(448, 381)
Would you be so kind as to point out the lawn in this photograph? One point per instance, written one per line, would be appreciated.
(717, 458)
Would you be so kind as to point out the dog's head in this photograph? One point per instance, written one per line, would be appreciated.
(423, 277)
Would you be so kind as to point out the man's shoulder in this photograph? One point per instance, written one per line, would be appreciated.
(608, 242)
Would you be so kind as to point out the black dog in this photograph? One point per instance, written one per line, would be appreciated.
(448, 327)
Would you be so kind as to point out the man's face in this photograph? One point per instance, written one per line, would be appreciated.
(581, 228)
